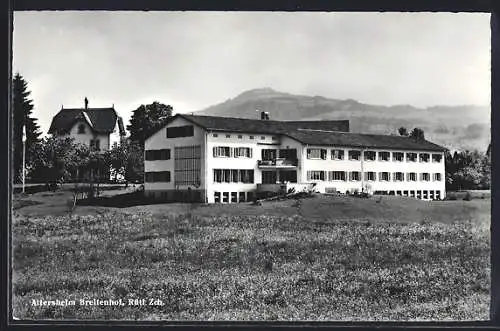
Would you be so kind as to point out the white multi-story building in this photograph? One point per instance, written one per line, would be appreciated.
(219, 159)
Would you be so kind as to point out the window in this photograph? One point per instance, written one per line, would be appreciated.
(216, 197)
(316, 153)
(251, 137)
(336, 175)
(241, 197)
(187, 165)
(384, 176)
(95, 144)
(234, 197)
(411, 176)
(274, 138)
(240, 136)
(262, 138)
(383, 156)
(411, 157)
(337, 154)
(180, 131)
(425, 177)
(355, 176)
(225, 197)
(249, 196)
(424, 157)
(370, 175)
(315, 175)
(233, 176)
(398, 176)
(215, 135)
(437, 177)
(398, 156)
(242, 152)
(436, 158)
(157, 154)
(354, 155)
(157, 176)
(370, 155)
(221, 151)
(269, 177)
(268, 154)
(228, 136)
(81, 128)
(226, 174)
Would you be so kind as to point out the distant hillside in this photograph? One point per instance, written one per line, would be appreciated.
(455, 127)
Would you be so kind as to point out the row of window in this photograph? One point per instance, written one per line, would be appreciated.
(224, 151)
(215, 135)
(234, 176)
(419, 194)
(157, 177)
(371, 176)
(339, 154)
(226, 197)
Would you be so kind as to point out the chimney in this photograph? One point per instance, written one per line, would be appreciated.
(86, 103)
(264, 115)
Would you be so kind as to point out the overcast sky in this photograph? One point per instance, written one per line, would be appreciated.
(192, 60)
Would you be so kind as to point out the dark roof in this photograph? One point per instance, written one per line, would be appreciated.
(361, 140)
(216, 123)
(101, 120)
(330, 133)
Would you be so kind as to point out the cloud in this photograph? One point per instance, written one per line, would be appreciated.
(202, 58)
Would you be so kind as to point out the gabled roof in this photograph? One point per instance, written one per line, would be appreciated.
(328, 133)
(361, 140)
(101, 120)
(216, 123)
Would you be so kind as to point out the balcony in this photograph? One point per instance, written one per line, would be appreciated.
(278, 163)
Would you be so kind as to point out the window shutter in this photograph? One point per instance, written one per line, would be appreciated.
(323, 154)
(215, 151)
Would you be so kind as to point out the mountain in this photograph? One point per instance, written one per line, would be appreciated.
(455, 127)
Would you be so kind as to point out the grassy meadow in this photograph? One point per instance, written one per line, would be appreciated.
(324, 258)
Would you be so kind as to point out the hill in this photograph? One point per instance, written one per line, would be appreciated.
(455, 127)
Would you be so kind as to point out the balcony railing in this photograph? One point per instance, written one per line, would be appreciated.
(278, 163)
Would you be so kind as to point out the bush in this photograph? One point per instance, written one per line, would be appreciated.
(468, 196)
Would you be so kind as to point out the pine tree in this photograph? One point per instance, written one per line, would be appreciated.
(22, 108)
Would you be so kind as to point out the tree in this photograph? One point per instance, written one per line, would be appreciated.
(468, 170)
(417, 133)
(55, 160)
(22, 107)
(147, 118)
(403, 131)
(134, 165)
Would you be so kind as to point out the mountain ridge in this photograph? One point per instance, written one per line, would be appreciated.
(455, 127)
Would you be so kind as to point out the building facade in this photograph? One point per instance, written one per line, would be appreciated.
(227, 160)
(98, 128)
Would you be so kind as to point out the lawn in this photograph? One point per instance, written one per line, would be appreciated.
(326, 258)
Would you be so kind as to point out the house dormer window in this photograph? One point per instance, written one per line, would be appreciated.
(81, 128)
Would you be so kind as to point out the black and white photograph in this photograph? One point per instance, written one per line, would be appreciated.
(250, 166)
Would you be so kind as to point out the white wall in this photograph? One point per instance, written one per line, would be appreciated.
(375, 166)
(160, 141)
(84, 138)
(216, 139)
(114, 137)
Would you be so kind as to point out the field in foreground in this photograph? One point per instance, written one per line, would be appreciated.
(328, 259)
